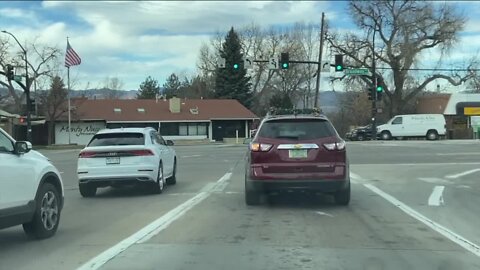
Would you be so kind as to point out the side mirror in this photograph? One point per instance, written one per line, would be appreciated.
(22, 147)
(170, 142)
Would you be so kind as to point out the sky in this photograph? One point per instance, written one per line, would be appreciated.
(135, 39)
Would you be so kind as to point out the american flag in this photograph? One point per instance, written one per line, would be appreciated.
(71, 57)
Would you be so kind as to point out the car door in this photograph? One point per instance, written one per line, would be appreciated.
(169, 156)
(397, 127)
(16, 175)
(162, 150)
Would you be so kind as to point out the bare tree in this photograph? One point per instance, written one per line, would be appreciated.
(405, 29)
(112, 87)
(41, 62)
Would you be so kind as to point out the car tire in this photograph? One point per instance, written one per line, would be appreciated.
(385, 135)
(87, 190)
(47, 213)
(159, 185)
(432, 135)
(360, 138)
(252, 196)
(172, 180)
(342, 197)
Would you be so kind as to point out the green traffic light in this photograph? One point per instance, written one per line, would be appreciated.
(235, 66)
(379, 89)
(285, 65)
(339, 67)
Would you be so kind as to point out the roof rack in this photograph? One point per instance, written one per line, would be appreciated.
(307, 111)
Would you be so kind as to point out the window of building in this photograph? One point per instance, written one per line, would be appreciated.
(169, 129)
(117, 110)
(193, 129)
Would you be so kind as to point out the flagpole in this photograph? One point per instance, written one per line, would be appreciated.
(68, 94)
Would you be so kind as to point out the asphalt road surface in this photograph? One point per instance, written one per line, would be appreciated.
(415, 205)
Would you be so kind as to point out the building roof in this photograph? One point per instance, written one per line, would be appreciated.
(432, 103)
(146, 110)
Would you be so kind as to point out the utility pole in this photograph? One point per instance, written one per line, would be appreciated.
(319, 68)
(373, 89)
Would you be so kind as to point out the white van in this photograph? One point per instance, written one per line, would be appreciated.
(430, 126)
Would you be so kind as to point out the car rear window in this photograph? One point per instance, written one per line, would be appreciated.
(117, 139)
(294, 129)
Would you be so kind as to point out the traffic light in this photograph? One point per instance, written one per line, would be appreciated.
(236, 66)
(371, 94)
(284, 61)
(22, 120)
(10, 73)
(32, 105)
(338, 62)
(379, 90)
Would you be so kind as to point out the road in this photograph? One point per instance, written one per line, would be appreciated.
(414, 206)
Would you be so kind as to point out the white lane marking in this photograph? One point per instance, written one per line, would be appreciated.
(458, 154)
(436, 198)
(458, 239)
(323, 214)
(232, 192)
(434, 180)
(191, 156)
(464, 186)
(419, 164)
(454, 176)
(153, 228)
(61, 172)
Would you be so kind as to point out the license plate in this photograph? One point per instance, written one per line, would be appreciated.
(297, 153)
(113, 160)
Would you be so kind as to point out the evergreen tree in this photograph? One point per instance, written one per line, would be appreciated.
(230, 82)
(148, 89)
(172, 86)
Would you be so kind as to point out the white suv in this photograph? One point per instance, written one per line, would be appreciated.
(31, 189)
(126, 156)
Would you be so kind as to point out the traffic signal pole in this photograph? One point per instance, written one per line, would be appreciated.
(317, 86)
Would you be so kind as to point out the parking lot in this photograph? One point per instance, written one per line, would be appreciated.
(413, 203)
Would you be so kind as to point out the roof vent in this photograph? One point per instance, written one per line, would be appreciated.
(194, 110)
(117, 110)
(140, 110)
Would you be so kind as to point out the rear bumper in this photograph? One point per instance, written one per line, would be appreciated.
(334, 181)
(116, 181)
(312, 185)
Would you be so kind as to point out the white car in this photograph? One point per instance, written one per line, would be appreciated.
(126, 156)
(429, 126)
(31, 189)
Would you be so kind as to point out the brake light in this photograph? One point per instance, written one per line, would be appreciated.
(144, 152)
(335, 146)
(86, 154)
(260, 147)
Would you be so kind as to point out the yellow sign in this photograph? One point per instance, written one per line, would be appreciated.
(471, 111)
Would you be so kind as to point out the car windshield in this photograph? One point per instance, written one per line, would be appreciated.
(295, 129)
(112, 139)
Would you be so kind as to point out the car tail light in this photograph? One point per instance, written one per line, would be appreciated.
(335, 146)
(86, 154)
(260, 147)
(144, 152)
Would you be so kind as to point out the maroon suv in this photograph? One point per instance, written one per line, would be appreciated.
(297, 152)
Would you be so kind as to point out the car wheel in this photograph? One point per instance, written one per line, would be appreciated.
(252, 196)
(360, 138)
(342, 197)
(47, 213)
(172, 180)
(159, 185)
(432, 135)
(87, 190)
(386, 135)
